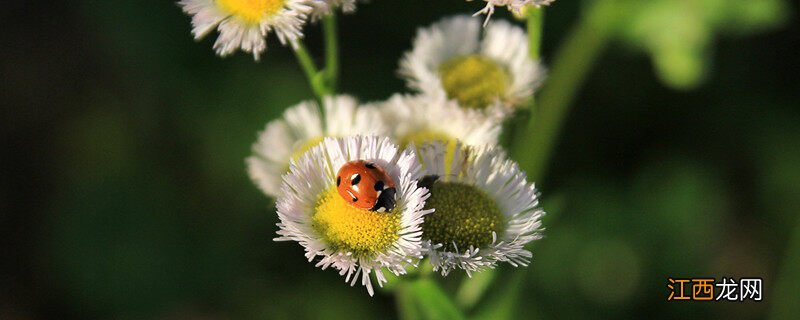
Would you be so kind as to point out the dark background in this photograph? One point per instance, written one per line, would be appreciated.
(124, 192)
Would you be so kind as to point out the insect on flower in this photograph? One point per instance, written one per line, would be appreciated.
(366, 185)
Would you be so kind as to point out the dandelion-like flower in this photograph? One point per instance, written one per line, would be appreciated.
(493, 72)
(419, 119)
(301, 128)
(486, 211)
(325, 7)
(244, 24)
(515, 6)
(357, 242)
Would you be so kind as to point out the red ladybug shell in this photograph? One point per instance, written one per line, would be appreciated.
(366, 185)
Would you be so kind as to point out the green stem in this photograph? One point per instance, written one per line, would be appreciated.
(311, 71)
(331, 51)
(535, 23)
(572, 63)
(515, 125)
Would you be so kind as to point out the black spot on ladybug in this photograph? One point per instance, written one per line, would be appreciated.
(338, 181)
(370, 165)
(355, 199)
(355, 179)
(386, 201)
(379, 186)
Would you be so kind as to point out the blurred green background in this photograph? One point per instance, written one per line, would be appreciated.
(125, 195)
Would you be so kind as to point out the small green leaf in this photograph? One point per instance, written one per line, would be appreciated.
(679, 35)
(433, 302)
(504, 303)
(472, 289)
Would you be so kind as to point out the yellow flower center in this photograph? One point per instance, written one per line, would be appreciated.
(251, 11)
(465, 216)
(303, 146)
(350, 229)
(475, 81)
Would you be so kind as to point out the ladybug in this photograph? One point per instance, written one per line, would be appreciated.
(366, 185)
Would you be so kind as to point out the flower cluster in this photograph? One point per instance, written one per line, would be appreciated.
(369, 188)
(245, 24)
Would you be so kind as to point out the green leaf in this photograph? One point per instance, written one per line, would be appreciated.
(407, 308)
(504, 303)
(679, 35)
(432, 301)
(472, 289)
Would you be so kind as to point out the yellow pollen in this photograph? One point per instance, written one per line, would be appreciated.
(465, 215)
(251, 11)
(475, 81)
(350, 229)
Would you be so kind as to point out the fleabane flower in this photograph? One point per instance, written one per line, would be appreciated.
(419, 119)
(244, 24)
(323, 8)
(515, 6)
(486, 210)
(489, 72)
(357, 242)
(302, 127)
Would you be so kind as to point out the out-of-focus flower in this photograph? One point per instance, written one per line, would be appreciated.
(244, 24)
(492, 73)
(486, 211)
(515, 6)
(301, 128)
(419, 119)
(357, 242)
(326, 7)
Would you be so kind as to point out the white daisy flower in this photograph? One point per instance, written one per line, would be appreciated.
(302, 127)
(486, 211)
(451, 58)
(357, 242)
(244, 24)
(515, 6)
(419, 119)
(323, 8)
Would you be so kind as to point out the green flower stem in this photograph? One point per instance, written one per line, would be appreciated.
(331, 51)
(515, 125)
(535, 23)
(572, 63)
(312, 73)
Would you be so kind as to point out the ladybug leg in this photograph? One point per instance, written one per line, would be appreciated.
(386, 200)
